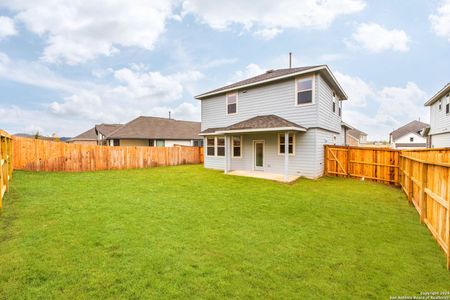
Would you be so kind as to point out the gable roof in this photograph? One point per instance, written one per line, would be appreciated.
(107, 129)
(439, 95)
(89, 135)
(356, 133)
(411, 127)
(278, 74)
(257, 123)
(157, 128)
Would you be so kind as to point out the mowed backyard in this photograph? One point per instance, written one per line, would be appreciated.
(187, 232)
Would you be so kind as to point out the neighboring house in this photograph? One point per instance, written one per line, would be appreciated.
(104, 130)
(409, 136)
(439, 131)
(277, 122)
(88, 137)
(156, 132)
(355, 137)
(96, 135)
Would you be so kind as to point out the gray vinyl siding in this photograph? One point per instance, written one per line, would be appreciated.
(439, 120)
(278, 98)
(440, 140)
(327, 118)
(307, 161)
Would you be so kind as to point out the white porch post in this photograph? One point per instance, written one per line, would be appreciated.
(286, 156)
(227, 154)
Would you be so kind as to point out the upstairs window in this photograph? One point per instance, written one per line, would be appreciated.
(340, 108)
(210, 146)
(220, 146)
(237, 146)
(304, 91)
(411, 139)
(291, 145)
(440, 105)
(232, 103)
(334, 102)
(447, 104)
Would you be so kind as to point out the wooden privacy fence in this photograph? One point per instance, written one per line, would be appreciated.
(41, 155)
(424, 176)
(6, 167)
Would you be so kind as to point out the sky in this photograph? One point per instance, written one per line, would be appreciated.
(67, 65)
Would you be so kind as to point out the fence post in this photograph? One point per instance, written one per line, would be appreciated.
(448, 233)
(410, 182)
(347, 171)
(423, 195)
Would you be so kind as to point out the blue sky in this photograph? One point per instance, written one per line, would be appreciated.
(67, 66)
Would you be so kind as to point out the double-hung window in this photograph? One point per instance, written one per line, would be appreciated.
(440, 105)
(340, 108)
(210, 146)
(447, 104)
(220, 146)
(237, 146)
(304, 89)
(232, 100)
(281, 144)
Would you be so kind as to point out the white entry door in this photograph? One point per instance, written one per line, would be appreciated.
(258, 155)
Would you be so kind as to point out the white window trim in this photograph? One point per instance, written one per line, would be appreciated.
(237, 103)
(313, 78)
(215, 147)
(447, 102)
(293, 143)
(335, 103)
(232, 146)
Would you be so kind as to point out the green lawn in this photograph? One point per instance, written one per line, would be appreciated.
(187, 232)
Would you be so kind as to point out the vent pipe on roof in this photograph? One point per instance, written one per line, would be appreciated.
(169, 114)
(290, 60)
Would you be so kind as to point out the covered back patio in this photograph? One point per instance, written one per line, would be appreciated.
(261, 147)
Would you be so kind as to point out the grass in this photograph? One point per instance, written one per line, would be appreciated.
(187, 232)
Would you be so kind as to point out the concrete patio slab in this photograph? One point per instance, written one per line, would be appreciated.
(263, 175)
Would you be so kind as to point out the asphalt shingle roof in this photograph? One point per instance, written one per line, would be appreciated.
(262, 77)
(413, 126)
(258, 122)
(157, 128)
(88, 135)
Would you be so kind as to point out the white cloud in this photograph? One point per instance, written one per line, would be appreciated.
(268, 15)
(131, 92)
(249, 71)
(440, 21)
(379, 110)
(76, 31)
(375, 38)
(267, 33)
(7, 27)
(358, 91)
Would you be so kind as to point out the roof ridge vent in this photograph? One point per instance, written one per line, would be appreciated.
(270, 71)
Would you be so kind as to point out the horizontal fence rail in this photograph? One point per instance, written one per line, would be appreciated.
(423, 175)
(6, 167)
(42, 155)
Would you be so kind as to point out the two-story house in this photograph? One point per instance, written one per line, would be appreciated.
(409, 136)
(277, 122)
(439, 131)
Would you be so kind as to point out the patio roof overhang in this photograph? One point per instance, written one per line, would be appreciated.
(267, 123)
(251, 130)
